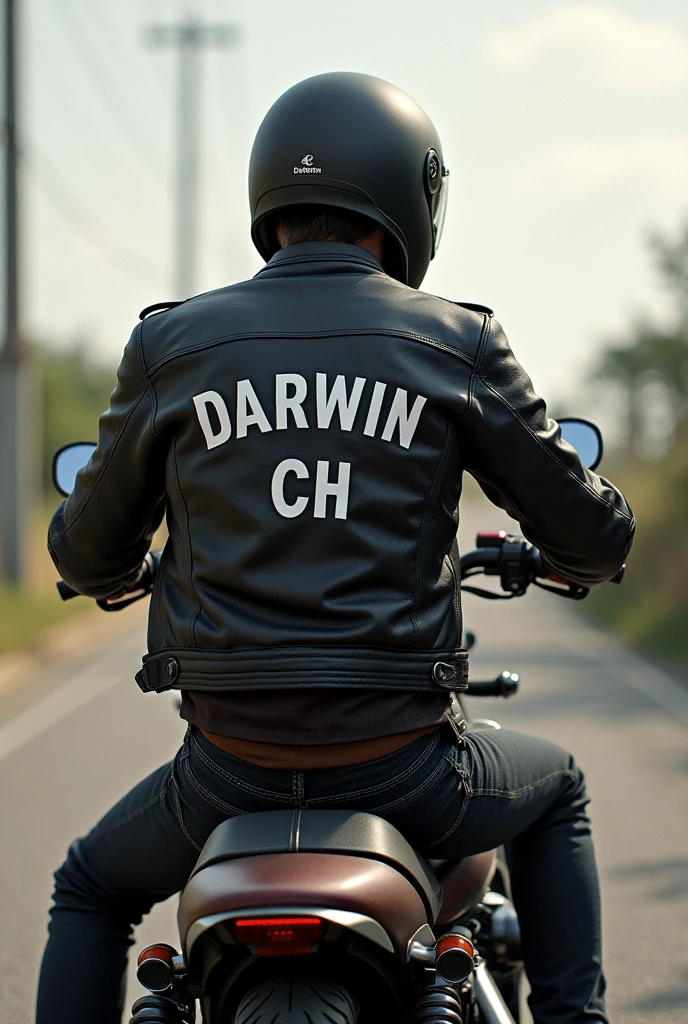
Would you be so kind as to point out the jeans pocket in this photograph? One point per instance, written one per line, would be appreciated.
(455, 815)
(198, 811)
(176, 802)
(430, 811)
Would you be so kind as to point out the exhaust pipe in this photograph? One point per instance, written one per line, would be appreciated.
(489, 999)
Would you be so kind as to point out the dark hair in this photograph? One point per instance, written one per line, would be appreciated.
(318, 223)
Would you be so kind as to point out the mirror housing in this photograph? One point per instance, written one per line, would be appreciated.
(585, 437)
(67, 463)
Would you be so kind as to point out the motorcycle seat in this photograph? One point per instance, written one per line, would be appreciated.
(353, 833)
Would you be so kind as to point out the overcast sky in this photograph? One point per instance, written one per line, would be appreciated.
(565, 127)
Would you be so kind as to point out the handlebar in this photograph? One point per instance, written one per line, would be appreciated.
(505, 685)
(518, 565)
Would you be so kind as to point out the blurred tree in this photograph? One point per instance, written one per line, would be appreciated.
(74, 392)
(650, 368)
(651, 358)
(672, 261)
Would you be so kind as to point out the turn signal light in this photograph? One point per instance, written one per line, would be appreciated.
(454, 958)
(155, 967)
(279, 936)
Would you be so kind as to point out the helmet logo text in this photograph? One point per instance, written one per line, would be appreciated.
(307, 166)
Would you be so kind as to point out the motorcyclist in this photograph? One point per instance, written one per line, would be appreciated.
(305, 434)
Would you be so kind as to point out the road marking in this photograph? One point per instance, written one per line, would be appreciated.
(631, 668)
(97, 678)
(661, 689)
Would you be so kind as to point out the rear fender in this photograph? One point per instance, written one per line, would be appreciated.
(366, 888)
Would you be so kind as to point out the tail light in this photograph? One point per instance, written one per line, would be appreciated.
(279, 936)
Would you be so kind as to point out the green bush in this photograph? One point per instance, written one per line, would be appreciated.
(74, 391)
(650, 608)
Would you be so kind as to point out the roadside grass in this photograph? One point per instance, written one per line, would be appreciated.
(26, 613)
(650, 608)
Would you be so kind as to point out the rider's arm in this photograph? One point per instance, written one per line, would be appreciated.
(99, 536)
(581, 523)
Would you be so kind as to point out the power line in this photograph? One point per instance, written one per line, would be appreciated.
(72, 208)
(103, 84)
(189, 37)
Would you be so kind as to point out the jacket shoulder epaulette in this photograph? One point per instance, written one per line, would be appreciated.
(475, 307)
(158, 307)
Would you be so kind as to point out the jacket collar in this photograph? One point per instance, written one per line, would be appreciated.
(317, 252)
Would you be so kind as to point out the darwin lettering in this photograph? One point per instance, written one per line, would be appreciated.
(339, 404)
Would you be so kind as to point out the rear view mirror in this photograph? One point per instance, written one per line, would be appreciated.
(67, 463)
(585, 437)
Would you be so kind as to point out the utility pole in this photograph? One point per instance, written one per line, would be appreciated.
(15, 430)
(189, 37)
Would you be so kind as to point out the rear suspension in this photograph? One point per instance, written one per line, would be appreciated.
(437, 1004)
(156, 1009)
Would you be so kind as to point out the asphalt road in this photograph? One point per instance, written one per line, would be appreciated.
(78, 733)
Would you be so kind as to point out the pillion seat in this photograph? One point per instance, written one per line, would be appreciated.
(301, 831)
(348, 860)
(344, 861)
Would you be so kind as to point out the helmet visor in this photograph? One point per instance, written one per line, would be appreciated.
(440, 211)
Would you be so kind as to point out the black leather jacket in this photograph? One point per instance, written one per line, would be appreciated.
(305, 433)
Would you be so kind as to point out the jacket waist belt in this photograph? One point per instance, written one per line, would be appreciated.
(304, 667)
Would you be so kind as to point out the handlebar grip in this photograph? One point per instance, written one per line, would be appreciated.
(65, 591)
(505, 685)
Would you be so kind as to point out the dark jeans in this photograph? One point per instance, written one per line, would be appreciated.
(503, 788)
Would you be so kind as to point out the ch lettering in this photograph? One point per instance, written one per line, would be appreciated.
(335, 486)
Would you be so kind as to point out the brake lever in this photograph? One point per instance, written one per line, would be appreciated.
(123, 600)
(489, 594)
(573, 591)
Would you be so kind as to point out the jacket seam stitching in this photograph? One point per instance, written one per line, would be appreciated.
(359, 332)
(149, 383)
(551, 454)
(191, 627)
(421, 538)
(106, 463)
(475, 373)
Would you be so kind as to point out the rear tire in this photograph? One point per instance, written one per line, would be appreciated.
(289, 999)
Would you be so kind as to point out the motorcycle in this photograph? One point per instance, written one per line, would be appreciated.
(331, 917)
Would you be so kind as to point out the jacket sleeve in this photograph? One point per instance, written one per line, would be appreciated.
(579, 521)
(100, 535)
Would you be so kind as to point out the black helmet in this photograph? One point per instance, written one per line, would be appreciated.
(356, 143)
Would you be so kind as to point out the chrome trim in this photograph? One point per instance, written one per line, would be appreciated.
(359, 923)
(421, 945)
(484, 723)
(420, 953)
(494, 899)
(492, 1006)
